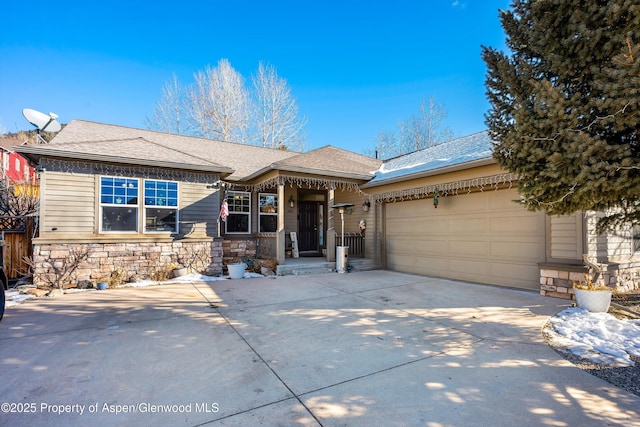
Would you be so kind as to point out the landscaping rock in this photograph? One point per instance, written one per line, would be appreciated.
(55, 292)
(36, 292)
(84, 284)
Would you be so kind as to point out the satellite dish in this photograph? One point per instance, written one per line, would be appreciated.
(42, 122)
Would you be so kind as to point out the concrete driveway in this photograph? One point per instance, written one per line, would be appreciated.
(368, 348)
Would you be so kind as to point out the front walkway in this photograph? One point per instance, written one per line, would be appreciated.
(367, 348)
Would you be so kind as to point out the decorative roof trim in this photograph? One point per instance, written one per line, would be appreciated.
(303, 181)
(71, 166)
(35, 151)
(493, 182)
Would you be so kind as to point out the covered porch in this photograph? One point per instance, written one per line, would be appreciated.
(295, 224)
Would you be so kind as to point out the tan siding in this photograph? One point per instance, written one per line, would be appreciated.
(199, 204)
(290, 214)
(69, 204)
(565, 237)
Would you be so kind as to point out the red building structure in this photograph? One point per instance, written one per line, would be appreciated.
(13, 167)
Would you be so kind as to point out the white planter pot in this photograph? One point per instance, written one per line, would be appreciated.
(236, 271)
(179, 272)
(593, 301)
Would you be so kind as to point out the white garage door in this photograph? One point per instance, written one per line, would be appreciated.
(480, 237)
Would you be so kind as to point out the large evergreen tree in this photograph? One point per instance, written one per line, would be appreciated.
(565, 105)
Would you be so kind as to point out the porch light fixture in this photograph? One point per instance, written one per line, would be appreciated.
(292, 203)
(366, 205)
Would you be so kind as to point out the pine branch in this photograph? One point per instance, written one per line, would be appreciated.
(586, 128)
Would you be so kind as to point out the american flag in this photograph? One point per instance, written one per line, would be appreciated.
(224, 210)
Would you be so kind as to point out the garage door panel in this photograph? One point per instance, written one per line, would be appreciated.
(469, 267)
(517, 251)
(468, 225)
(466, 248)
(518, 275)
(516, 224)
(430, 248)
(414, 264)
(481, 237)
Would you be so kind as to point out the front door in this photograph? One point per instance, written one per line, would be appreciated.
(308, 241)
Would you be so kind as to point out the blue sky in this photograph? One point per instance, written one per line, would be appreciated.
(355, 67)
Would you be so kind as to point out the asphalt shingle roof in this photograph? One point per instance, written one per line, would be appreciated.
(99, 138)
(84, 139)
(330, 160)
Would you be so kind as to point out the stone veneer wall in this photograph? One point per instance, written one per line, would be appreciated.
(556, 280)
(234, 250)
(136, 259)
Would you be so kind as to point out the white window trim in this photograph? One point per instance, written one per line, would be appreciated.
(145, 206)
(260, 213)
(102, 205)
(141, 207)
(248, 214)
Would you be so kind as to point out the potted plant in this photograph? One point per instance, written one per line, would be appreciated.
(592, 296)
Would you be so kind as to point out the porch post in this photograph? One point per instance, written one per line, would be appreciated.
(331, 228)
(280, 237)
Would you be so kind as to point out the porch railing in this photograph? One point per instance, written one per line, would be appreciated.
(355, 241)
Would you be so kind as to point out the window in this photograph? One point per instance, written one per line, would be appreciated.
(118, 204)
(268, 213)
(239, 211)
(635, 239)
(160, 205)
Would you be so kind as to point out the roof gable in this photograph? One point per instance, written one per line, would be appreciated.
(331, 161)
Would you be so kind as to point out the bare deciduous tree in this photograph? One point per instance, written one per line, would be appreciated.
(277, 120)
(424, 129)
(59, 272)
(18, 199)
(386, 145)
(419, 131)
(218, 105)
(168, 112)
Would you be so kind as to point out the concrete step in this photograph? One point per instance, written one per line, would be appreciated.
(293, 268)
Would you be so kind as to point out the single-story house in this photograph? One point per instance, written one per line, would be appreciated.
(138, 198)
(134, 198)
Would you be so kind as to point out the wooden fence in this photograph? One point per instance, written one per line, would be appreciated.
(17, 232)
